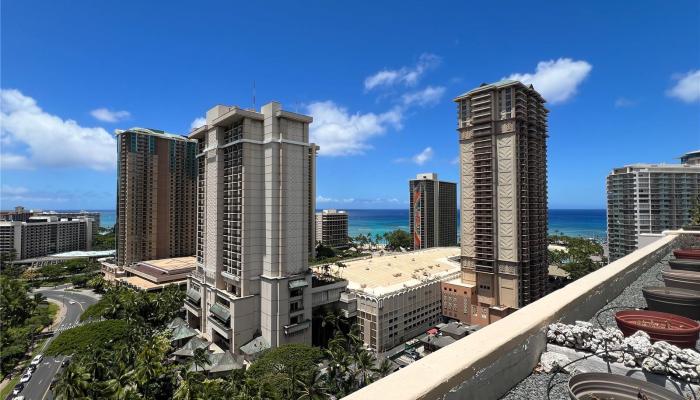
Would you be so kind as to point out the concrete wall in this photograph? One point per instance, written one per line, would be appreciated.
(487, 363)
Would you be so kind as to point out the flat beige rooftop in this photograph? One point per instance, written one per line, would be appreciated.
(384, 274)
(170, 264)
(140, 283)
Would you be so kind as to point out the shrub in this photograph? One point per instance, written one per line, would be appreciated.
(93, 311)
(98, 334)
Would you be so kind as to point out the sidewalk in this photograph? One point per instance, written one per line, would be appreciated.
(58, 318)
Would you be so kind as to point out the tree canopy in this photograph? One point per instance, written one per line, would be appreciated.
(399, 238)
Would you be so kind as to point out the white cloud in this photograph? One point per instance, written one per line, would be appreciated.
(107, 115)
(340, 133)
(359, 202)
(431, 95)
(556, 80)
(455, 161)
(20, 195)
(14, 161)
(408, 76)
(10, 190)
(48, 140)
(424, 156)
(322, 199)
(622, 102)
(201, 121)
(688, 87)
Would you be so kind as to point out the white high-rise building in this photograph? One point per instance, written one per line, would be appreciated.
(40, 236)
(252, 285)
(650, 198)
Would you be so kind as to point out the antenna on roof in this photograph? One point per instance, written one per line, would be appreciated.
(254, 109)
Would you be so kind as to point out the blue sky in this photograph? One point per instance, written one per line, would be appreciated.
(622, 81)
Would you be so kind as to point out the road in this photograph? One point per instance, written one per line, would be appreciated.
(38, 387)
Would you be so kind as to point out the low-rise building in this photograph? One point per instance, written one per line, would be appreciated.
(93, 215)
(508, 352)
(18, 214)
(332, 228)
(154, 275)
(398, 295)
(41, 236)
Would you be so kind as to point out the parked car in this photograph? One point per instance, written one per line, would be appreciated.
(18, 388)
(37, 359)
(26, 377)
(18, 398)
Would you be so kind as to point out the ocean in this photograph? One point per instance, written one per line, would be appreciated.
(583, 223)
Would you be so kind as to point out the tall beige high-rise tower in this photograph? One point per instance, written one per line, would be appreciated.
(252, 285)
(503, 157)
(156, 182)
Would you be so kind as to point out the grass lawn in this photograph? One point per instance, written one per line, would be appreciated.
(8, 388)
(53, 310)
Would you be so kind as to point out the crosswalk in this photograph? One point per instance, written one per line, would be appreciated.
(67, 326)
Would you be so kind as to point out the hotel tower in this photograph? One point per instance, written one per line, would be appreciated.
(252, 286)
(432, 212)
(156, 182)
(503, 170)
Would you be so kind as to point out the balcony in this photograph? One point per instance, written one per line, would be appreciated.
(290, 329)
(489, 363)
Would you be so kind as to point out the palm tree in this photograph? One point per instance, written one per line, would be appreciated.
(120, 387)
(364, 362)
(73, 384)
(384, 368)
(97, 283)
(39, 299)
(341, 266)
(338, 364)
(96, 364)
(112, 306)
(200, 359)
(311, 387)
(190, 387)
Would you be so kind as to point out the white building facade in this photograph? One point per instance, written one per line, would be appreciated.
(252, 279)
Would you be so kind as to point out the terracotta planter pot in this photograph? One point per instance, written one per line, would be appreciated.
(687, 265)
(677, 301)
(683, 332)
(682, 279)
(685, 254)
(599, 385)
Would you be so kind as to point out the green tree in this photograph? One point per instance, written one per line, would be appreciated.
(73, 383)
(15, 304)
(695, 213)
(98, 283)
(323, 252)
(299, 357)
(577, 259)
(105, 241)
(200, 359)
(364, 364)
(399, 238)
(311, 387)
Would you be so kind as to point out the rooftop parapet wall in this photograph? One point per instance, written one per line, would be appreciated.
(487, 363)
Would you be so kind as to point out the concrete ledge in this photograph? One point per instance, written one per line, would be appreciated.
(487, 363)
